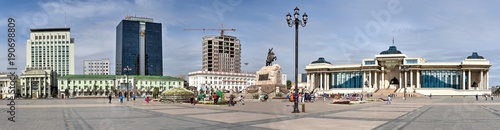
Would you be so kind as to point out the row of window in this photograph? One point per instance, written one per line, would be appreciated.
(100, 82)
(50, 37)
(97, 67)
(97, 70)
(100, 63)
(97, 73)
(50, 42)
(50, 47)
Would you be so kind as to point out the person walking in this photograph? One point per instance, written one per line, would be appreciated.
(231, 100)
(242, 100)
(121, 98)
(430, 96)
(109, 97)
(324, 97)
(389, 99)
(147, 99)
(477, 98)
(191, 100)
(216, 98)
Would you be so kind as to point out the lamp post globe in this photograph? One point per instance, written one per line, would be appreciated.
(296, 22)
(126, 70)
(404, 69)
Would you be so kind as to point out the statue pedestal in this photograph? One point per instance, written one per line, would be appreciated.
(268, 79)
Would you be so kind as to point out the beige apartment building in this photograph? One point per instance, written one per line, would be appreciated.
(221, 54)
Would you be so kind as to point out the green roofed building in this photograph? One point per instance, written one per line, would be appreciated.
(102, 85)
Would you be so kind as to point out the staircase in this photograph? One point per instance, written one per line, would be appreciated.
(384, 92)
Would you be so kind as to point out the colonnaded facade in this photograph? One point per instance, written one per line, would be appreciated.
(393, 70)
(103, 85)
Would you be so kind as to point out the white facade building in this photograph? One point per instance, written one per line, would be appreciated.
(51, 47)
(208, 80)
(96, 67)
(103, 85)
(393, 71)
(37, 82)
(284, 78)
(4, 86)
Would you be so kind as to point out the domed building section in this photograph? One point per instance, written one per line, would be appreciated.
(391, 50)
(320, 60)
(391, 71)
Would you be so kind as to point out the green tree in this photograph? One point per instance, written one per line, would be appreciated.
(288, 84)
(497, 91)
(156, 91)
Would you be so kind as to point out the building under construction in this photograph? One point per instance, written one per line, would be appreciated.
(221, 53)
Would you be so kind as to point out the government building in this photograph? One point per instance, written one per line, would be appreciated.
(212, 81)
(392, 71)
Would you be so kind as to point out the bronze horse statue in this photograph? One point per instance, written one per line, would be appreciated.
(270, 57)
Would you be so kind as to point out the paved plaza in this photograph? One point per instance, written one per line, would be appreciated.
(439, 113)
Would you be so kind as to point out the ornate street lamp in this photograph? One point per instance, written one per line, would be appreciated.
(404, 69)
(127, 69)
(296, 22)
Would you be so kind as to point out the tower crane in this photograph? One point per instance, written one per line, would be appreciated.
(222, 29)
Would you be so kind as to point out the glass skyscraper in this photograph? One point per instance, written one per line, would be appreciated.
(139, 46)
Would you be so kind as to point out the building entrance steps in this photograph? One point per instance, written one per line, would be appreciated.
(408, 94)
(384, 92)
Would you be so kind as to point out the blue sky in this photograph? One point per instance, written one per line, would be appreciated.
(440, 31)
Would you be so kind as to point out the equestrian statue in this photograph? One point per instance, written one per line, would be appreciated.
(270, 57)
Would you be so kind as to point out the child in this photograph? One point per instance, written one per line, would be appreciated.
(147, 99)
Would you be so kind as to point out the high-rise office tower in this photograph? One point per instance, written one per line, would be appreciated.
(96, 67)
(51, 47)
(221, 53)
(139, 47)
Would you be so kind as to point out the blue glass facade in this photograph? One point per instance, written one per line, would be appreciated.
(441, 79)
(154, 60)
(127, 48)
(353, 79)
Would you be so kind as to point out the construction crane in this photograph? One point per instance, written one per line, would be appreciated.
(222, 29)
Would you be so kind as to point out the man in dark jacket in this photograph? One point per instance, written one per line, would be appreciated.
(109, 97)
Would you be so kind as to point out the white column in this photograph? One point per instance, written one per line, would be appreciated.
(375, 81)
(487, 79)
(457, 79)
(309, 80)
(481, 82)
(418, 84)
(411, 79)
(469, 80)
(370, 79)
(321, 81)
(313, 80)
(327, 81)
(364, 79)
(406, 79)
(325, 78)
(400, 81)
(383, 79)
(463, 79)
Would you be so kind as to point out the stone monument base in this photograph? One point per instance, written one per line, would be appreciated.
(267, 88)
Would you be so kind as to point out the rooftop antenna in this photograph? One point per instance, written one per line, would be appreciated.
(393, 41)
